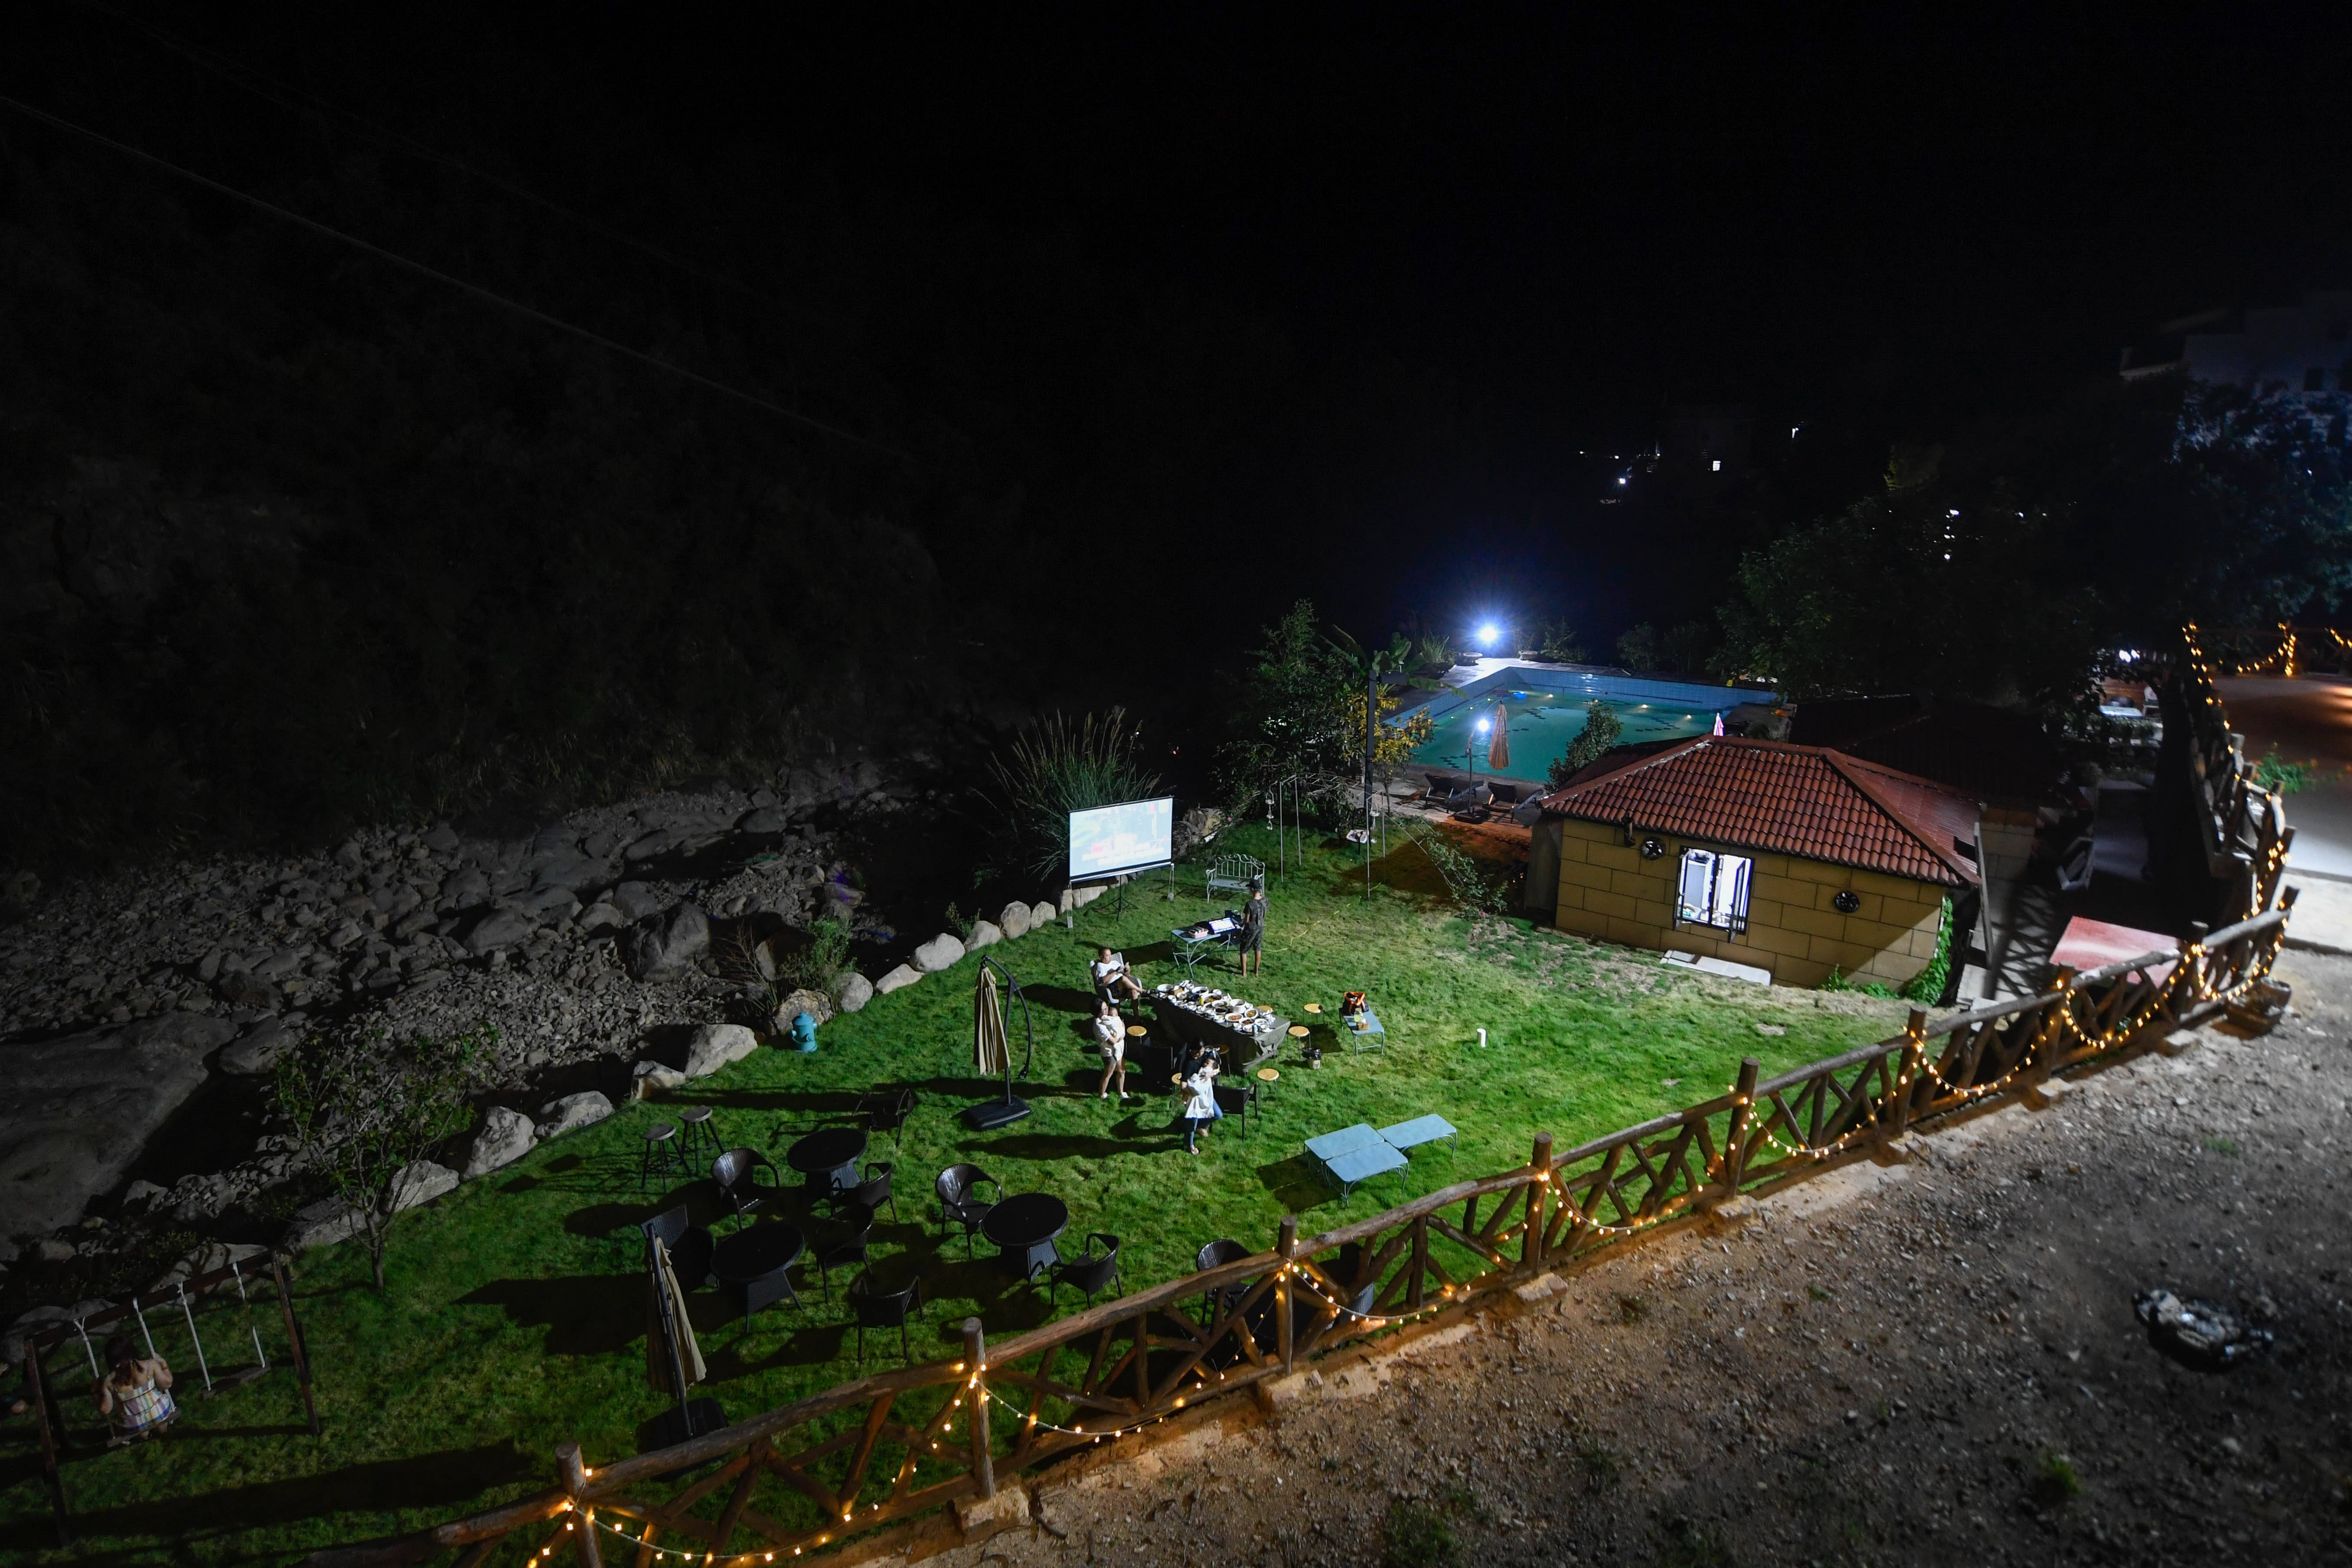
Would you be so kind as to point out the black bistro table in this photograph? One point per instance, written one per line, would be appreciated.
(1025, 1226)
(757, 1259)
(830, 1154)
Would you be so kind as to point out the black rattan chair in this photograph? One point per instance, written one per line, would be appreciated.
(849, 1246)
(885, 1110)
(1089, 1272)
(878, 1310)
(737, 1172)
(1214, 1255)
(871, 1195)
(958, 1207)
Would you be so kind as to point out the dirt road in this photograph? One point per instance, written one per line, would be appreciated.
(1933, 1362)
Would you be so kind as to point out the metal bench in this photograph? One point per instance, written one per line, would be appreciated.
(1421, 1130)
(1233, 873)
(1354, 1154)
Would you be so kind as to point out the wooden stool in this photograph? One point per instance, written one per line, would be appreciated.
(662, 1154)
(698, 1141)
(1136, 1031)
(1269, 1078)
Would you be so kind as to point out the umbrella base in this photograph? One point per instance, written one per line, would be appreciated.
(991, 1113)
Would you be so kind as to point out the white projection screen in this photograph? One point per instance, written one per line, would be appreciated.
(1124, 837)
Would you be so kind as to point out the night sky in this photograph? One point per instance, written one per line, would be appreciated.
(1477, 252)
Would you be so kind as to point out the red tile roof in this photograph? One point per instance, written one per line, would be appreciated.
(1807, 801)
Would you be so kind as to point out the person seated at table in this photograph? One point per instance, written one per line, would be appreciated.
(1111, 1030)
(1112, 981)
(1200, 1106)
(1252, 941)
(135, 1395)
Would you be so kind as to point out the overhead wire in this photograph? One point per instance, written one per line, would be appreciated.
(450, 279)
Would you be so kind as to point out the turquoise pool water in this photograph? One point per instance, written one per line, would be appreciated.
(1544, 724)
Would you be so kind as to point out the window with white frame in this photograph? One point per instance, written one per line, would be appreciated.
(1714, 891)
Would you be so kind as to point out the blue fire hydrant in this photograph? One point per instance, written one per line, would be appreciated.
(803, 1031)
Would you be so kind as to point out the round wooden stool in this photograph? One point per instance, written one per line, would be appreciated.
(1136, 1031)
(1314, 1007)
(1269, 1078)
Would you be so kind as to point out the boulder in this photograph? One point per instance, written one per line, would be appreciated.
(600, 915)
(467, 889)
(1082, 897)
(636, 901)
(941, 951)
(897, 979)
(259, 1051)
(716, 1045)
(1015, 921)
(816, 1004)
(651, 845)
(984, 933)
(328, 1221)
(440, 838)
(572, 1112)
(1041, 913)
(851, 991)
(240, 988)
(76, 1111)
(648, 1078)
(502, 927)
(422, 1183)
(659, 946)
(767, 819)
(505, 1136)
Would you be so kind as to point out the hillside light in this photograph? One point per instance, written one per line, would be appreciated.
(1487, 633)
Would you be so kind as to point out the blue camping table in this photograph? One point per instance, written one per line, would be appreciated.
(1371, 1036)
(1189, 950)
(1419, 1130)
(1354, 1154)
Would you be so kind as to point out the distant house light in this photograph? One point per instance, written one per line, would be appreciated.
(1793, 431)
(1716, 466)
(1620, 478)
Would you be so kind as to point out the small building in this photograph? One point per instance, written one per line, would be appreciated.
(1795, 859)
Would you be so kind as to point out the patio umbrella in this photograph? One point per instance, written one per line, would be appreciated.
(988, 1049)
(1498, 749)
(666, 1310)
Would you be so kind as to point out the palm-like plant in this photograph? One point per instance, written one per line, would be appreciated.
(1053, 768)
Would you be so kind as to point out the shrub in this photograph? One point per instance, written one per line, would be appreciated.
(1054, 768)
(1415, 1536)
(1600, 730)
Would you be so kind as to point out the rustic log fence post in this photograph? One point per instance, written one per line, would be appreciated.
(2050, 1039)
(1531, 1255)
(1895, 1110)
(1286, 1331)
(573, 1472)
(1735, 1132)
(294, 1333)
(37, 1394)
(975, 1365)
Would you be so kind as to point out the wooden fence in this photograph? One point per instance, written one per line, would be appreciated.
(2244, 826)
(858, 1456)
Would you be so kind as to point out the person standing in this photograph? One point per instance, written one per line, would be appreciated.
(1253, 937)
(1111, 1030)
(1200, 1101)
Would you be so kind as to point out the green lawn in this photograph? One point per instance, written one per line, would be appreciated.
(514, 1317)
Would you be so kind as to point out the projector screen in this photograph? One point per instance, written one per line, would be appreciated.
(1124, 837)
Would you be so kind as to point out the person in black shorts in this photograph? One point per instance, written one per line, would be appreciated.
(1253, 938)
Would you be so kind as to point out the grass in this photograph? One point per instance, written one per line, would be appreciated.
(514, 1318)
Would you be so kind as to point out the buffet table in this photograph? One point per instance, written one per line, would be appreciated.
(1243, 1032)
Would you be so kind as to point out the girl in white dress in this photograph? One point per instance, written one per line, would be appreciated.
(1201, 1104)
(1111, 1030)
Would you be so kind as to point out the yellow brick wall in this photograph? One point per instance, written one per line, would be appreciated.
(1608, 890)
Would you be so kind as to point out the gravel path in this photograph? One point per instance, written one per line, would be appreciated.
(1901, 1364)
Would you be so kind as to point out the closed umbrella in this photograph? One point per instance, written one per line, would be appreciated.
(665, 1313)
(988, 1049)
(1498, 749)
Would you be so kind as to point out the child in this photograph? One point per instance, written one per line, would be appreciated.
(1200, 1106)
(135, 1393)
(1111, 1030)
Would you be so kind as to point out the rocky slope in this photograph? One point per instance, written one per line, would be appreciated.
(140, 1014)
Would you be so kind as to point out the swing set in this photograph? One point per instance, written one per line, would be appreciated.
(44, 1396)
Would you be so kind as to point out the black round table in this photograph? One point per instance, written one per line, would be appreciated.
(830, 1154)
(757, 1259)
(1025, 1226)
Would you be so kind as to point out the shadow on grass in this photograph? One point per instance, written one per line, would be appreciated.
(583, 1314)
(440, 1481)
(1298, 1183)
(1060, 998)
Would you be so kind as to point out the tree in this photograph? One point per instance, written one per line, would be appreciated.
(1687, 648)
(1600, 730)
(1373, 675)
(1638, 648)
(364, 1114)
(1290, 715)
(1559, 645)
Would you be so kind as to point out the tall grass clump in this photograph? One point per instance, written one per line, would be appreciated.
(1053, 768)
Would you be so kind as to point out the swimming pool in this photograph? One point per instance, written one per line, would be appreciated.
(1544, 724)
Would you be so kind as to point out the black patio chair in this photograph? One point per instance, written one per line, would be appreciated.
(885, 1109)
(690, 1245)
(870, 1196)
(1214, 1255)
(849, 1246)
(883, 1310)
(1089, 1272)
(737, 1174)
(1236, 1099)
(958, 1207)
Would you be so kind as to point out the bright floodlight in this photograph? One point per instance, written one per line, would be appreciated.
(1482, 725)
(1488, 634)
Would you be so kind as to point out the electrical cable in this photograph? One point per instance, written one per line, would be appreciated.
(450, 279)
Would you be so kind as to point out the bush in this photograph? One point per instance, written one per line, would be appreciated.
(1600, 730)
(1415, 1536)
(1054, 768)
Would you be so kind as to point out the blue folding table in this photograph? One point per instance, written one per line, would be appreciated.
(1419, 1130)
(1355, 1154)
